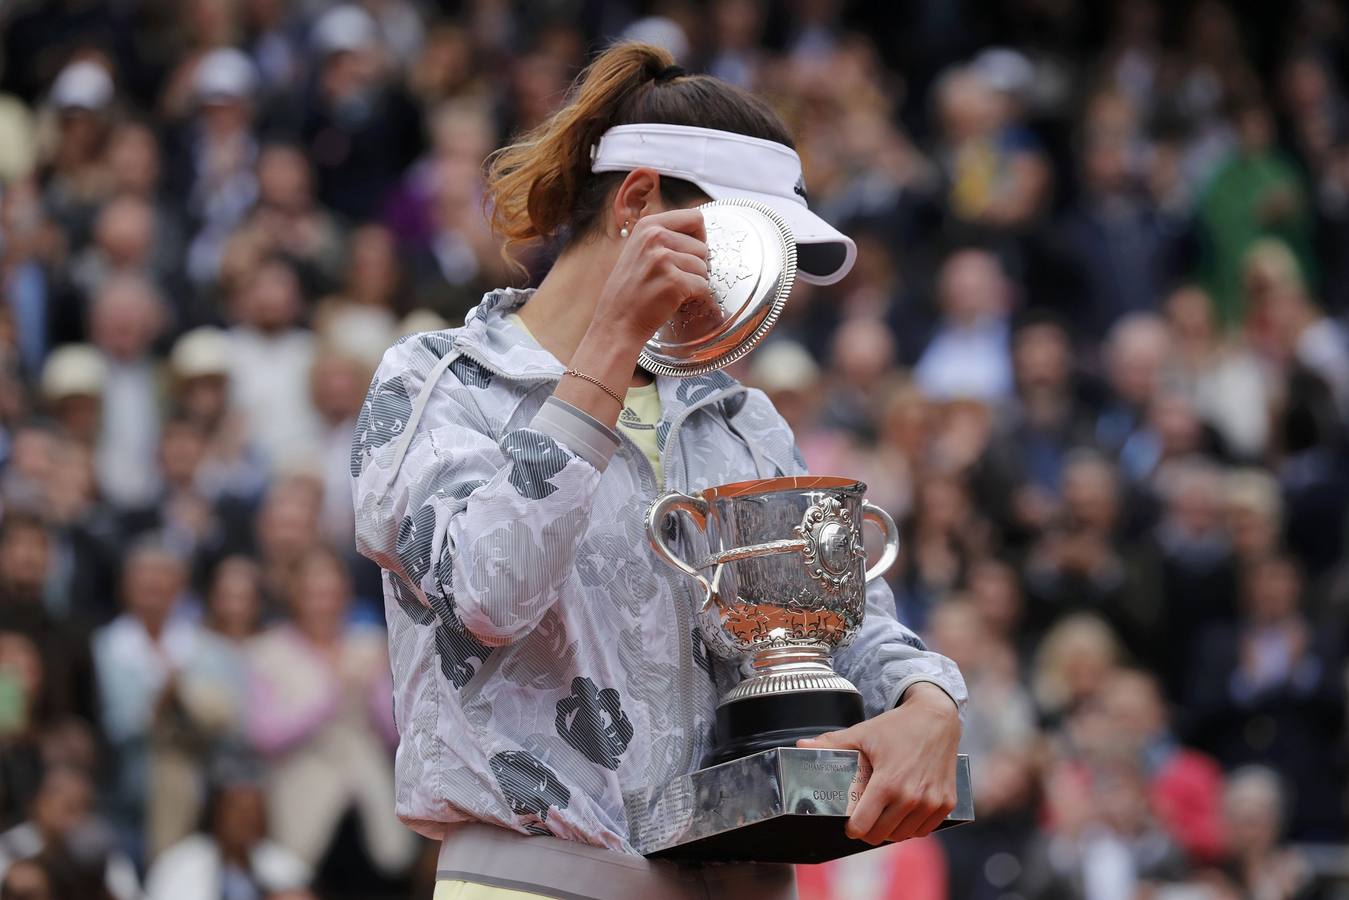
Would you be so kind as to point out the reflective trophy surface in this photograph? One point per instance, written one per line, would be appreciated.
(782, 571)
(787, 589)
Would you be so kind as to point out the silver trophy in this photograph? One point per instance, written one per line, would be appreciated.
(787, 588)
(782, 570)
(783, 576)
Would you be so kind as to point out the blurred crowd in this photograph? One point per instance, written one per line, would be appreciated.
(1093, 356)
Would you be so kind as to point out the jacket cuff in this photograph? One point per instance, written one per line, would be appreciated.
(897, 692)
(579, 432)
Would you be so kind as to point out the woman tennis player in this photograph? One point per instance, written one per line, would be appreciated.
(548, 681)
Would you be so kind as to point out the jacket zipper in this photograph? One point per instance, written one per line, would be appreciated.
(683, 592)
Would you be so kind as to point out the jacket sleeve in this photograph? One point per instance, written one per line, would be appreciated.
(885, 657)
(486, 525)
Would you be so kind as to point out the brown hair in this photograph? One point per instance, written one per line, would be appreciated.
(541, 188)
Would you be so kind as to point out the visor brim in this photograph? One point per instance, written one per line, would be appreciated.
(823, 253)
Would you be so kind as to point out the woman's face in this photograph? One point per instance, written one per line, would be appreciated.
(133, 157)
(235, 602)
(1273, 591)
(322, 595)
(374, 265)
(20, 659)
(204, 398)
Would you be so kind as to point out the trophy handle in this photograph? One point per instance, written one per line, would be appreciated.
(881, 519)
(675, 502)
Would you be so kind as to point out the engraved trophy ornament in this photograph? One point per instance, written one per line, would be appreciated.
(751, 266)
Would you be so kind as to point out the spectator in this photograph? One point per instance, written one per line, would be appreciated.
(270, 360)
(1285, 323)
(1186, 562)
(995, 592)
(1122, 250)
(286, 530)
(288, 220)
(969, 355)
(126, 318)
(200, 364)
(170, 692)
(73, 381)
(1137, 354)
(997, 178)
(374, 280)
(182, 513)
(321, 716)
(1259, 863)
(215, 156)
(1035, 434)
(25, 559)
(338, 383)
(943, 538)
(61, 829)
(861, 351)
(1000, 712)
(1255, 193)
(234, 600)
(1076, 564)
(359, 126)
(234, 859)
(1253, 512)
(1221, 376)
(1100, 841)
(28, 879)
(1184, 786)
(72, 173)
(1075, 659)
(23, 696)
(1269, 690)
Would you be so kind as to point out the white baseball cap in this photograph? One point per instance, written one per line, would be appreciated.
(202, 351)
(225, 74)
(343, 29)
(73, 370)
(725, 164)
(82, 85)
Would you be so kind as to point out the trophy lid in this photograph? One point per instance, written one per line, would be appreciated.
(751, 265)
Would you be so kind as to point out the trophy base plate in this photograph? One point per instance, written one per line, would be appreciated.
(764, 722)
(786, 805)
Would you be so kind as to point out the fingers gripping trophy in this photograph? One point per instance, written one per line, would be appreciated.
(781, 569)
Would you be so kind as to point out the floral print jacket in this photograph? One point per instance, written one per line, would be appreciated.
(547, 674)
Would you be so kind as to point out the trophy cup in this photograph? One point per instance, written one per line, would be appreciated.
(787, 590)
(787, 587)
(782, 570)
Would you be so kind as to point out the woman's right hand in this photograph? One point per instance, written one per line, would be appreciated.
(663, 265)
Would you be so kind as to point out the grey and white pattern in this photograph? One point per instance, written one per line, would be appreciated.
(592, 721)
(547, 677)
(531, 788)
(383, 416)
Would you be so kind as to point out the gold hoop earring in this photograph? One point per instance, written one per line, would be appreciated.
(623, 232)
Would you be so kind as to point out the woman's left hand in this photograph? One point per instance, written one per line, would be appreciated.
(912, 752)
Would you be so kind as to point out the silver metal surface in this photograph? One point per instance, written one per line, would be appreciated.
(788, 579)
(751, 266)
(738, 801)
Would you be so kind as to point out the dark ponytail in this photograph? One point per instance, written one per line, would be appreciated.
(541, 186)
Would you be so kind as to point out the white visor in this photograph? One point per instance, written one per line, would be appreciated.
(725, 164)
